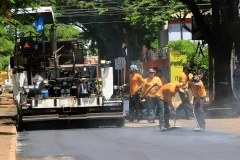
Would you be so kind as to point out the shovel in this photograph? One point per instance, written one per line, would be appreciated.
(175, 117)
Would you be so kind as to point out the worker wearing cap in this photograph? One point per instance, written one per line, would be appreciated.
(135, 82)
(164, 100)
(199, 94)
(163, 80)
(184, 96)
(149, 91)
(160, 75)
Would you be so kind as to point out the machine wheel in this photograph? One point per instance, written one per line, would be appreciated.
(20, 126)
(19, 123)
(120, 122)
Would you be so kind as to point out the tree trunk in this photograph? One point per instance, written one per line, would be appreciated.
(222, 77)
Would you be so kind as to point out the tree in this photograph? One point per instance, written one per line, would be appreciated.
(197, 58)
(4, 62)
(220, 37)
(134, 23)
(8, 23)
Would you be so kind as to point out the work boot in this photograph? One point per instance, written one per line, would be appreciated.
(199, 129)
(135, 121)
(162, 129)
(189, 118)
(167, 126)
(151, 121)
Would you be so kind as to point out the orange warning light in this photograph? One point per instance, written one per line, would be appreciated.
(26, 45)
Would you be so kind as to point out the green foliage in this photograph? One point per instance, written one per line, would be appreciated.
(195, 59)
(183, 46)
(4, 62)
(8, 24)
(63, 32)
(6, 40)
(154, 44)
(66, 32)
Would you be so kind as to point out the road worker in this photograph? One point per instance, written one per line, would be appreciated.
(164, 101)
(199, 94)
(184, 96)
(151, 90)
(135, 82)
(160, 75)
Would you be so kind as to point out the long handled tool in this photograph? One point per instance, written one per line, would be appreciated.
(135, 109)
(198, 129)
(175, 117)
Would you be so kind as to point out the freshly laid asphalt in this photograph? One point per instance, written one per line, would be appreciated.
(134, 141)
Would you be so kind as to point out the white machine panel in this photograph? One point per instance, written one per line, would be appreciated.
(107, 82)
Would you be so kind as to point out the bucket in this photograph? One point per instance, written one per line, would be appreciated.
(45, 93)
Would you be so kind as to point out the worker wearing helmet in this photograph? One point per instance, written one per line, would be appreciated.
(164, 101)
(149, 90)
(199, 94)
(184, 96)
(135, 82)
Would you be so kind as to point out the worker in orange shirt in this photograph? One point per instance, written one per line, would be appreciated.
(135, 82)
(184, 96)
(163, 80)
(150, 96)
(199, 94)
(160, 75)
(164, 101)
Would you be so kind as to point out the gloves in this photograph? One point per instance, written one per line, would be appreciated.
(142, 99)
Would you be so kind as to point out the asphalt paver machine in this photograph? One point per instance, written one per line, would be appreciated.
(51, 82)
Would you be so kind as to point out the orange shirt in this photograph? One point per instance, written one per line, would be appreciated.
(183, 79)
(198, 90)
(135, 82)
(166, 92)
(149, 83)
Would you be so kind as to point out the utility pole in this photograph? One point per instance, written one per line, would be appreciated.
(210, 69)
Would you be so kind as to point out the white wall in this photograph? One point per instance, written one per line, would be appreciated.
(175, 34)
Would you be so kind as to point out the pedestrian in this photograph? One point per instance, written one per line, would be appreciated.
(150, 96)
(164, 100)
(135, 82)
(199, 94)
(236, 84)
(184, 96)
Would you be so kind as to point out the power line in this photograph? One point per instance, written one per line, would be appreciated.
(124, 9)
(103, 22)
(110, 11)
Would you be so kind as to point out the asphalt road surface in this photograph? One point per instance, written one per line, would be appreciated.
(127, 143)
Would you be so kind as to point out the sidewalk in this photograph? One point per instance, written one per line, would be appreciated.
(7, 128)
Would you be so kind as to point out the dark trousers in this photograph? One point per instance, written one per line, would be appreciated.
(166, 115)
(199, 112)
(151, 103)
(184, 105)
(134, 109)
(163, 112)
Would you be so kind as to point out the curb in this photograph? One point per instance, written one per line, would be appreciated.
(12, 150)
